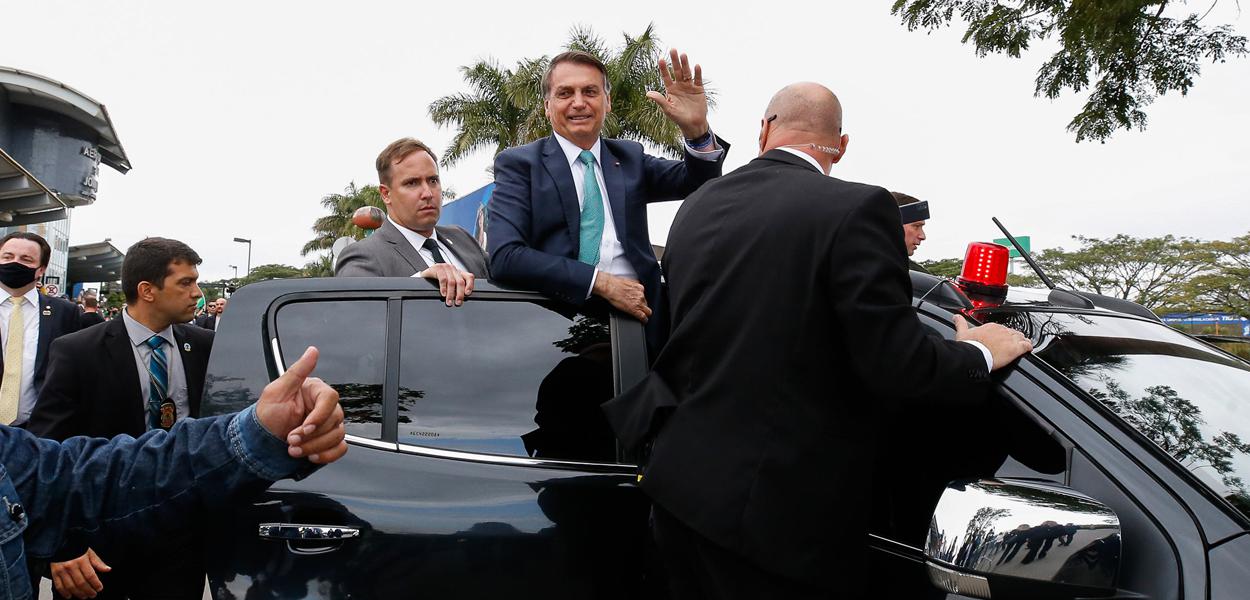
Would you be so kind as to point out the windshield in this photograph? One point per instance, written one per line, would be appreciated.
(1190, 399)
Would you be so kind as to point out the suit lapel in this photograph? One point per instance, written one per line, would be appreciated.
(192, 358)
(392, 235)
(471, 260)
(45, 330)
(557, 165)
(615, 180)
(126, 373)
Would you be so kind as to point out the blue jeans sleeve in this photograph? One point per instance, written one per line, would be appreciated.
(137, 488)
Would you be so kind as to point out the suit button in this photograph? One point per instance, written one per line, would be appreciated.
(16, 512)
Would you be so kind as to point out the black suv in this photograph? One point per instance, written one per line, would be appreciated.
(1110, 462)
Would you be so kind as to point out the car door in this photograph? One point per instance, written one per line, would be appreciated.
(1035, 426)
(479, 465)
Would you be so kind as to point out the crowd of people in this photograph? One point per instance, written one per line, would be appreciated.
(785, 315)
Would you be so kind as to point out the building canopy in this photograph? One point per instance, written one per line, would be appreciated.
(100, 261)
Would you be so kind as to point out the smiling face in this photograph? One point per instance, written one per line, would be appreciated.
(577, 103)
(414, 195)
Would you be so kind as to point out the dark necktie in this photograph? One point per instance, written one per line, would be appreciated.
(432, 246)
(161, 410)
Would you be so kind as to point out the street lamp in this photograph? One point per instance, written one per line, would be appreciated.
(249, 255)
(236, 270)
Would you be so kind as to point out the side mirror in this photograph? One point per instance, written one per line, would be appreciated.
(1022, 540)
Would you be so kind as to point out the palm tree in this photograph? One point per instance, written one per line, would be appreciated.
(339, 222)
(505, 106)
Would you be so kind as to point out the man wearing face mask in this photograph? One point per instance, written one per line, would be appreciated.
(29, 321)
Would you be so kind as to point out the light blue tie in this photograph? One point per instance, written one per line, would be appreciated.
(158, 381)
(592, 213)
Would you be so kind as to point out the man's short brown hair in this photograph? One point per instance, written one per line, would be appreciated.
(903, 199)
(579, 57)
(397, 151)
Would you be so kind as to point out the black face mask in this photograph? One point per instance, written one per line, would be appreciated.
(16, 275)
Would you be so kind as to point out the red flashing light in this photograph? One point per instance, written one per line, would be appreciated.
(984, 276)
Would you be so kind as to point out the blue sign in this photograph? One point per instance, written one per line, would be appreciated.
(469, 212)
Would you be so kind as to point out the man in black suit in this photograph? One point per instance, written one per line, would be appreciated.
(409, 243)
(213, 312)
(90, 312)
(154, 365)
(568, 216)
(791, 314)
(29, 321)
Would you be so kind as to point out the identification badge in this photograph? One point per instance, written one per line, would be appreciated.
(169, 414)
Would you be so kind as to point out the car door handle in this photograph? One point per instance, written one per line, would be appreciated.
(297, 532)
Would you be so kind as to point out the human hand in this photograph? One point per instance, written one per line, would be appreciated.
(76, 578)
(685, 103)
(1005, 344)
(453, 284)
(625, 294)
(305, 411)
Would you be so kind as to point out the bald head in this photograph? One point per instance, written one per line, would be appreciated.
(805, 117)
(806, 107)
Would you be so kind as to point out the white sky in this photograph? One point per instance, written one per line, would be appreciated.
(239, 116)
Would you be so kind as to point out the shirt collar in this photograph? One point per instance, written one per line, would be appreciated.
(572, 151)
(417, 240)
(31, 296)
(805, 156)
(139, 333)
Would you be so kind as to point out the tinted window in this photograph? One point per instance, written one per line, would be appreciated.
(512, 378)
(1191, 400)
(351, 336)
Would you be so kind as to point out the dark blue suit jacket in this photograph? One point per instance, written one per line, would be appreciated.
(534, 219)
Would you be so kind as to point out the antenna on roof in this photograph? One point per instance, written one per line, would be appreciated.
(1025, 254)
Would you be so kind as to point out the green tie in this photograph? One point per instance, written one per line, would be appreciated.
(592, 213)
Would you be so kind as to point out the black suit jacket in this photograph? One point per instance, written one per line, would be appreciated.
(792, 330)
(206, 321)
(57, 317)
(93, 382)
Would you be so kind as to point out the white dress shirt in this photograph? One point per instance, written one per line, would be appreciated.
(418, 242)
(985, 352)
(611, 252)
(139, 334)
(27, 395)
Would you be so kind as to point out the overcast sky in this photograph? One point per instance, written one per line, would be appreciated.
(239, 116)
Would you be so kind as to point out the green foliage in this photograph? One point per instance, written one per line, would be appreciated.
(1226, 286)
(946, 267)
(339, 222)
(504, 107)
(266, 272)
(1133, 52)
(1149, 271)
(323, 266)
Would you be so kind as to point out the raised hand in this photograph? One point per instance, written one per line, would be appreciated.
(305, 411)
(684, 101)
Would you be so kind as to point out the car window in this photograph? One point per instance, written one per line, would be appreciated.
(351, 338)
(1192, 401)
(504, 377)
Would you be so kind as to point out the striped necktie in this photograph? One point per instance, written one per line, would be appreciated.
(14, 346)
(161, 411)
(591, 232)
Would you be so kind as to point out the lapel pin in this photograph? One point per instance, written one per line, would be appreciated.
(47, 311)
(186, 346)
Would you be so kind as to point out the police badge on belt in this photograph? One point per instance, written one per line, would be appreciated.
(169, 414)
